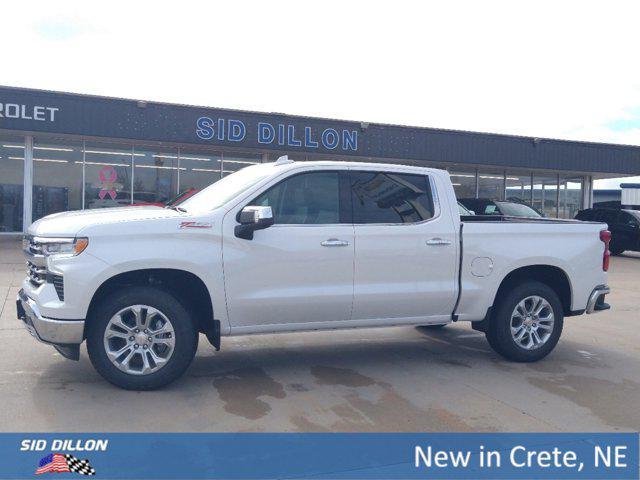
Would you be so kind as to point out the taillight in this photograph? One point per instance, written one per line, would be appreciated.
(605, 236)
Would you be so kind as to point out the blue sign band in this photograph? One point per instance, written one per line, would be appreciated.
(327, 456)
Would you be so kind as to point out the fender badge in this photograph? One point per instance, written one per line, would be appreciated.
(195, 225)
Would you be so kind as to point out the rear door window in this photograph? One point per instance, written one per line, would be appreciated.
(385, 197)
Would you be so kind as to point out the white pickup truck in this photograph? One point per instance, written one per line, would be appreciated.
(296, 246)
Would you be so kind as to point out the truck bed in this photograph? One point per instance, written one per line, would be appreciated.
(500, 218)
(493, 246)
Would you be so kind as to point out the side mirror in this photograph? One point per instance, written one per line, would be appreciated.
(252, 219)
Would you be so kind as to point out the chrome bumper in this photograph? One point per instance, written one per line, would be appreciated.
(47, 330)
(596, 301)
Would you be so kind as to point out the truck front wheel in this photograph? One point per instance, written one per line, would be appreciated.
(141, 338)
(527, 322)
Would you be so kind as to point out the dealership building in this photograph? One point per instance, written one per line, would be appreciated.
(61, 151)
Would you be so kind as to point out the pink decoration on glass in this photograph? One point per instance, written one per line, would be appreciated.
(108, 176)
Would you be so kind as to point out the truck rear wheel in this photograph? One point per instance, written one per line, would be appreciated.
(141, 338)
(527, 322)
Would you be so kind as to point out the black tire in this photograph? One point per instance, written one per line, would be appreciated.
(499, 331)
(186, 337)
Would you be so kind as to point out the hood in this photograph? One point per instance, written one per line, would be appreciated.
(70, 223)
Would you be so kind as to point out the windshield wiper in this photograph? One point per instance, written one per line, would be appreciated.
(176, 208)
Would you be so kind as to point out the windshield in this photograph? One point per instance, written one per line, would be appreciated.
(229, 187)
(517, 210)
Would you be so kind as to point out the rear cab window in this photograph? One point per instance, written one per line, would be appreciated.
(390, 198)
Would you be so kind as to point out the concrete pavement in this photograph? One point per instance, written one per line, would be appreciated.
(396, 379)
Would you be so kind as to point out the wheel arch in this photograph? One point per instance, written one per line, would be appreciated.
(188, 288)
(553, 276)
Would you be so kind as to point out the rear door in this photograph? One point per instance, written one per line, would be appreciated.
(405, 255)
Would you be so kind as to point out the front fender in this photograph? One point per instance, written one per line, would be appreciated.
(198, 253)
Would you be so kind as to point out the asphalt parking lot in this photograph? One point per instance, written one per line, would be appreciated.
(397, 379)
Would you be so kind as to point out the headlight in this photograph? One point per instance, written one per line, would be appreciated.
(63, 246)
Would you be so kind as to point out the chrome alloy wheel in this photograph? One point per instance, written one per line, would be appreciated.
(532, 322)
(139, 340)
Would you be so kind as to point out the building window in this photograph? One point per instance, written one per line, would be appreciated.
(491, 184)
(107, 177)
(464, 182)
(11, 183)
(232, 161)
(571, 195)
(155, 175)
(57, 176)
(198, 169)
(518, 187)
(545, 194)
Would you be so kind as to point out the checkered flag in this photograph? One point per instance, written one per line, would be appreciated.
(79, 466)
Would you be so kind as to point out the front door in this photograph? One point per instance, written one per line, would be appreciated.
(405, 257)
(300, 270)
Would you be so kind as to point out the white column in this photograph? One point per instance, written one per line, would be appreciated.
(587, 195)
(558, 195)
(84, 173)
(477, 183)
(178, 174)
(133, 171)
(28, 183)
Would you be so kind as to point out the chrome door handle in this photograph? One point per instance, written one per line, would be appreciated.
(438, 241)
(334, 242)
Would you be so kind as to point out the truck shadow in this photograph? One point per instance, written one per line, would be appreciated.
(401, 348)
(350, 351)
(384, 379)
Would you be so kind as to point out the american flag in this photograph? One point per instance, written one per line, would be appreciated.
(54, 462)
(61, 463)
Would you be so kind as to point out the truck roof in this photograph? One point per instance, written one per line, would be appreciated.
(360, 165)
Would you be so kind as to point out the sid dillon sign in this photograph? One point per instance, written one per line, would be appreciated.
(270, 133)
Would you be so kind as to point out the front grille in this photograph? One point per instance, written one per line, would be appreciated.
(58, 283)
(36, 269)
(37, 275)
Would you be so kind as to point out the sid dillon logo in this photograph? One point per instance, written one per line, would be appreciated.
(64, 463)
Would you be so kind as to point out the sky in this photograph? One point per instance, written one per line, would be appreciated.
(558, 69)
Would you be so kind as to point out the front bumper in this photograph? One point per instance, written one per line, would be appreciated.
(48, 330)
(596, 301)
